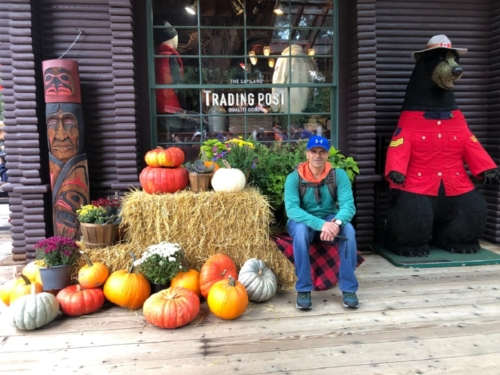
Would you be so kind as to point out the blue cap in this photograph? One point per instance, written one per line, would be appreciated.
(318, 141)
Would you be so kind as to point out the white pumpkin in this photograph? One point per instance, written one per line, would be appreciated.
(260, 282)
(230, 180)
(33, 310)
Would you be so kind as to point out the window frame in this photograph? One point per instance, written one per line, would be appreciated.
(153, 86)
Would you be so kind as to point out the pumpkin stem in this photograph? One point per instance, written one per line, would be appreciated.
(78, 288)
(226, 164)
(131, 269)
(26, 280)
(232, 282)
(87, 259)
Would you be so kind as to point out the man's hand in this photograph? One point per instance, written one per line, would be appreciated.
(396, 177)
(491, 175)
(329, 231)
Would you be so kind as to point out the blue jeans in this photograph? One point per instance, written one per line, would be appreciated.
(303, 235)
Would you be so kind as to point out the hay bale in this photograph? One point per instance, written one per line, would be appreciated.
(203, 224)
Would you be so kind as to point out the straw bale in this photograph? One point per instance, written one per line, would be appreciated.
(203, 224)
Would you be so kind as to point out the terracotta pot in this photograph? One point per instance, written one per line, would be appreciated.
(98, 235)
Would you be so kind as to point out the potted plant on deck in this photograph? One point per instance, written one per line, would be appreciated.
(99, 221)
(56, 254)
(160, 263)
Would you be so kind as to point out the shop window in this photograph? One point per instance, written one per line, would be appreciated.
(235, 68)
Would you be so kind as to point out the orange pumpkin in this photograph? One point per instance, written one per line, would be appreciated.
(227, 299)
(160, 157)
(92, 275)
(217, 267)
(189, 280)
(127, 289)
(75, 301)
(163, 180)
(24, 288)
(171, 308)
(7, 289)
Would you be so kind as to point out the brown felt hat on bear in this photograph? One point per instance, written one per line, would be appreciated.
(440, 41)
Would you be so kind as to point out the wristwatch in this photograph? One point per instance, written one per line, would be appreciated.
(338, 222)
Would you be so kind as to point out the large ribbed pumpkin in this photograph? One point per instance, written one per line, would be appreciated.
(216, 268)
(33, 310)
(126, 288)
(160, 157)
(171, 308)
(163, 180)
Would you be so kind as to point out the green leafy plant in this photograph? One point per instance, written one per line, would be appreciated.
(161, 263)
(211, 149)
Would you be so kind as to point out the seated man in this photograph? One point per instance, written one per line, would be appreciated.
(316, 215)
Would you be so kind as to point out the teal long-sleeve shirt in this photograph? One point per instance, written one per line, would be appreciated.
(309, 211)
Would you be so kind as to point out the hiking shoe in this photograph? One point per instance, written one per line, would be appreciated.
(304, 301)
(350, 300)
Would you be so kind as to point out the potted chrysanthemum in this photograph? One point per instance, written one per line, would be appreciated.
(160, 263)
(56, 254)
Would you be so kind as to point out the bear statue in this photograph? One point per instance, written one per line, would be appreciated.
(431, 197)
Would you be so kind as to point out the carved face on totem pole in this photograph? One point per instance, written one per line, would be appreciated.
(62, 132)
(58, 81)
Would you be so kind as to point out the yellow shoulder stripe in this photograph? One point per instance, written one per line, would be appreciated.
(474, 139)
(396, 143)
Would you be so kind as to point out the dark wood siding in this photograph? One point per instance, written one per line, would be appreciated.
(361, 124)
(405, 26)
(492, 143)
(26, 142)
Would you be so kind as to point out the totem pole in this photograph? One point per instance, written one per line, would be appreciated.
(69, 178)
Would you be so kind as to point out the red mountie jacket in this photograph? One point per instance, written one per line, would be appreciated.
(166, 99)
(427, 151)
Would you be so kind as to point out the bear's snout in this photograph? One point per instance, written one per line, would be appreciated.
(457, 71)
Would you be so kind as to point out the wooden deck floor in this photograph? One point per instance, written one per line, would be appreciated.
(411, 321)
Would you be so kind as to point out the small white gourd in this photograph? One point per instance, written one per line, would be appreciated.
(230, 180)
(260, 282)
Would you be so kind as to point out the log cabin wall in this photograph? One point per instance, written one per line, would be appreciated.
(492, 144)
(405, 26)
(361, 114)
(26, 141)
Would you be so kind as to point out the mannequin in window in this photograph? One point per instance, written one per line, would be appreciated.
(301, 68)
(168, 70)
